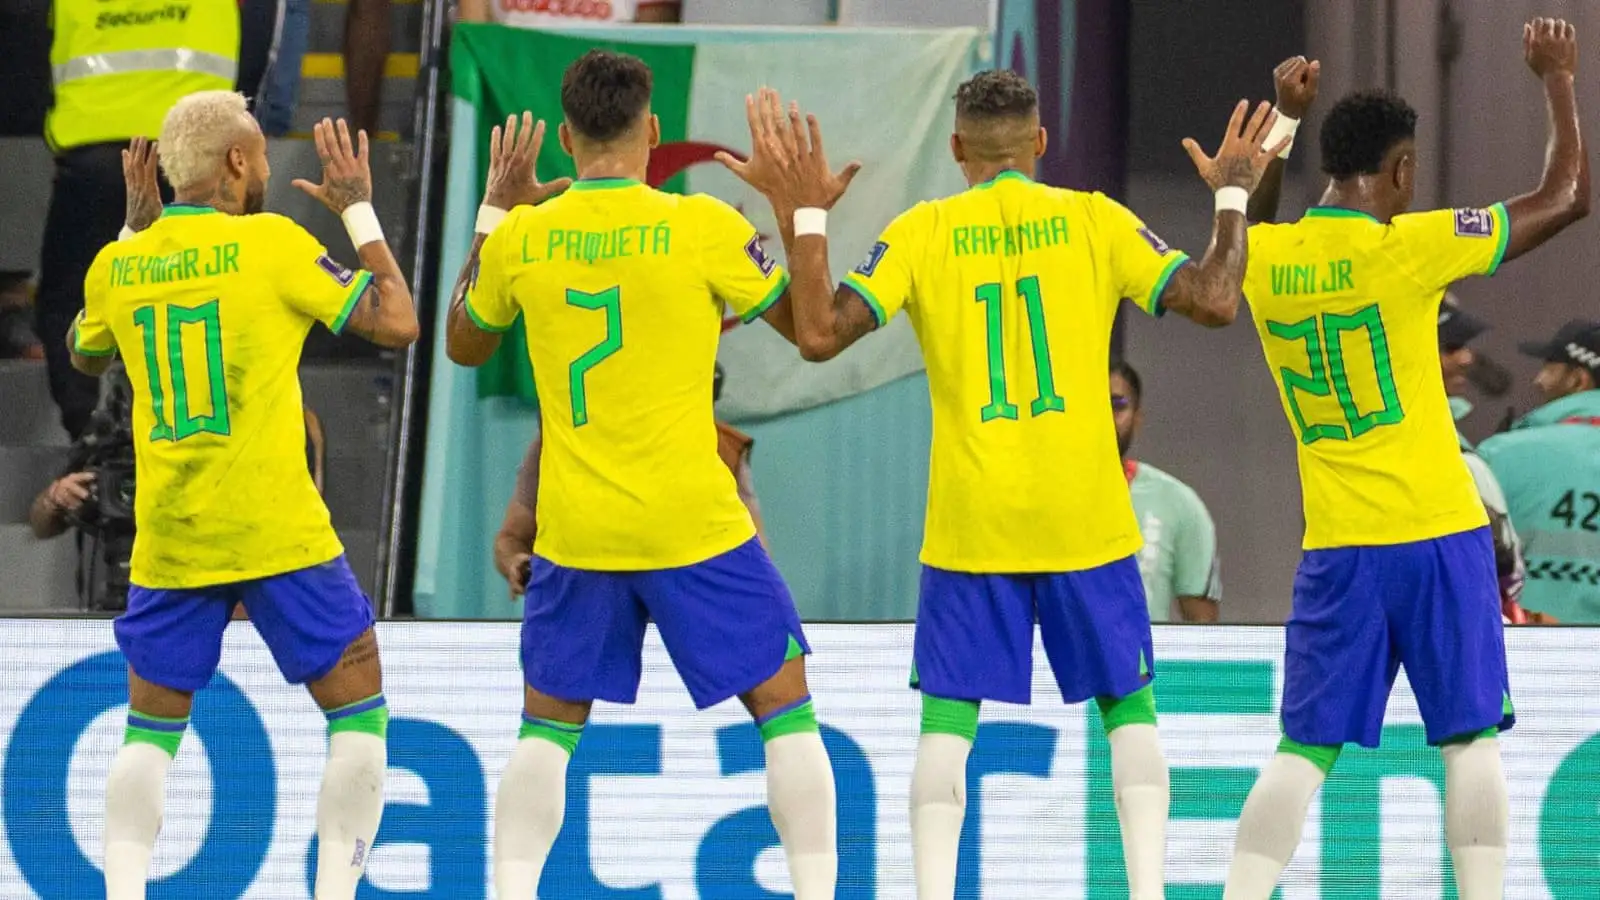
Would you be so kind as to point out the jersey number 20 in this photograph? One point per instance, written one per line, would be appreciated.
(1000, 405)
(165, 344)
(1323, 337)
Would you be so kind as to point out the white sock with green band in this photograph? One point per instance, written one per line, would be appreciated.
(1142, 789)
(939, 793)
(1274, 815)
(350, 804)
(135, 799)
(530, 805)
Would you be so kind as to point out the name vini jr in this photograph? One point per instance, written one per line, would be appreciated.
(1334, 277)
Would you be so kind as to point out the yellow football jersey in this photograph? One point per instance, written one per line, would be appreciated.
(1012, 288)
(1347, 309)
(210, 312)
(621, 289)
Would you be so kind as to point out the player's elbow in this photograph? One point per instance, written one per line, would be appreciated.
(398, 335)
(93, 366)
(816, 348)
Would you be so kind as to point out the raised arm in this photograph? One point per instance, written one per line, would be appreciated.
(1208, 292)
(790, 167)
(1295, 80)
(1550, 47)
(513, 153)
(385, 313)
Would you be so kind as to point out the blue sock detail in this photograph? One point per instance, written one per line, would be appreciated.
(786, 708)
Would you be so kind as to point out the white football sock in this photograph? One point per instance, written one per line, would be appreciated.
(800, 797)
(1143, 794)
(1270, 825)
(135, 796)
(349, 808)
(938, 806)
(1476, 817)
(529, 807)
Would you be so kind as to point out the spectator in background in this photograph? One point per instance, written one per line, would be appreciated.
(1457, 330)
(274, 38)
(513, 545)
(1178, 563)
(111, 84)
(545, 13)
(1549, 466)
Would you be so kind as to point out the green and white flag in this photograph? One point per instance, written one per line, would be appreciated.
(883, 97)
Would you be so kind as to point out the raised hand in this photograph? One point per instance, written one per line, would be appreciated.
(346, 172)
(1296, 82)
(1550, 47)
(513, 152)
(1241, 159)
(787, 161)
(139, 163)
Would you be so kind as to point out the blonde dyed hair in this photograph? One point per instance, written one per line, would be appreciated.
(197, 134)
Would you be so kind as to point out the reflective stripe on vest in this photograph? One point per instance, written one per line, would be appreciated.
(122, 62)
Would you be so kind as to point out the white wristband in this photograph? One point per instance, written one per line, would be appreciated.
(1232, 199)
(125, 233)
(361, 221)
(1283, 127)
(488, 218)
(810, 220)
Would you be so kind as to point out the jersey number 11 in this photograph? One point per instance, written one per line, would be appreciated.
(1000, 405)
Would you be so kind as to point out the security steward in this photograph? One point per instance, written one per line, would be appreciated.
(117, 66)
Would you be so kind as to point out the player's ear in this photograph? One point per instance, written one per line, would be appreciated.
(238, 162)
(1040, 141)
(565, 137)
(956, 150)
(1405, 173)
(655, 131)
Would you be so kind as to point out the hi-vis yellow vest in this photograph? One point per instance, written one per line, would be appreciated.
(119, 65)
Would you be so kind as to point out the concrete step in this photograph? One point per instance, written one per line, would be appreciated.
(27, 415)
(24, 472)
(35, 575)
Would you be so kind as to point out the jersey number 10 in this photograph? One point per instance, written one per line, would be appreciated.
(1323, 337)
(166, 344)
(1000, 405)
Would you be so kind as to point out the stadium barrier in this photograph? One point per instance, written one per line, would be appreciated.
(667, 803)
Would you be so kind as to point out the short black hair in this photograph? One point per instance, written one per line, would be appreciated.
(996, 93)
(1360, 131)
(603, 93)
(1123, 368)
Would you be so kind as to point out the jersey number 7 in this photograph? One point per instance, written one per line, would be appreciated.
(1000, 405)
(166, 344)
(1323, 337)
(609, 300)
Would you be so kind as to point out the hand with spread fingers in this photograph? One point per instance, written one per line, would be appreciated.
(513, 154)
(1296, 81)
(787, 163)
(1241, 159)
(346, 169)
(139, 172)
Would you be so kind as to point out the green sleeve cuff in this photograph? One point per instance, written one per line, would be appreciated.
(357, 288)
(760, 309)
(873, 303)
(1152, 304)
(1502, 230)
(478, 320)
(81, 350)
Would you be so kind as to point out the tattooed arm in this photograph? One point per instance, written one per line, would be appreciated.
(385, 313)
(465, 343)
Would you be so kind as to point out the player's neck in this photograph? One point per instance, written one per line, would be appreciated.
(983, 173)
(1353, 197)
(217, 196)
(607, 166)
